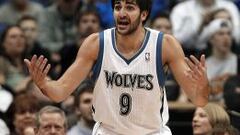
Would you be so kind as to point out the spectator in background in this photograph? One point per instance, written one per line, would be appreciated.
(13, 10)
(59, 27)
(222, 62)
(83, 104)
(186, 24)
(161, 22)
(212, 118)
(51, 121)
(13, 47)
(231, 96)
(24, 109)
(220, 13)
(29, 26)
(88, 22)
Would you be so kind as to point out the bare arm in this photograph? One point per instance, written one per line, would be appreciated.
(190, 74)
(60, 89)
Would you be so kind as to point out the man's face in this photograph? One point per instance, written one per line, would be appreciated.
(127, 16)
(222, 41)
(88, 24)
(51, 124)
(85, 106)
(30, 30)
(163, 25)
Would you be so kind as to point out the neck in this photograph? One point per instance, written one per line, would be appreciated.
(86, 123)
(130, 42)
(220, 55)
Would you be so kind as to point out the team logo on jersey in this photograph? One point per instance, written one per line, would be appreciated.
(147, 56)
(129, 80)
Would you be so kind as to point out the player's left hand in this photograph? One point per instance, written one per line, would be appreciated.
(198, 74)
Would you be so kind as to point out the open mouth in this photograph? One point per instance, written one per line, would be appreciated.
(123, 24)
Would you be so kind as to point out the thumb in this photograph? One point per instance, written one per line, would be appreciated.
(28, 63)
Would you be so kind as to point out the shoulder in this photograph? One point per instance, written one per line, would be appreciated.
(170, 41)
(90, 46)
(171, 48)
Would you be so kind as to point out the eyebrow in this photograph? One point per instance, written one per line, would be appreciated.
(132, 2)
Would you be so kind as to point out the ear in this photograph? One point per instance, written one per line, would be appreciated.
(144, 15)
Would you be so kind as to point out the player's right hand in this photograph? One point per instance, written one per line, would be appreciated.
(38, 69)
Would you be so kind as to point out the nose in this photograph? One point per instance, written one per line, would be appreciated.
(195, 118)
(53, 130)
(122, 13)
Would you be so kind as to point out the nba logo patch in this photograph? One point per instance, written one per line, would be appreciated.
(147, 56)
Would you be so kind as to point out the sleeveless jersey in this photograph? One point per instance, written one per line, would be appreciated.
(129, 94)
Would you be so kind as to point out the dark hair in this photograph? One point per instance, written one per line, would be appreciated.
(2, 40)
(144, 5)
(25, 102)
(160, 15)
(86, 86)
(87, 12)
(231, 93)
(26, 18)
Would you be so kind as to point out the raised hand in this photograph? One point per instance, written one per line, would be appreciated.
(38, 69)
(198, 74)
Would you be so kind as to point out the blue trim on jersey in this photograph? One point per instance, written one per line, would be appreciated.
(160, 72)
(162, 106)
(98, 64)
(128, 61)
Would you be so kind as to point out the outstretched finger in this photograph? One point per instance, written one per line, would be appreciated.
(43, 64)
(190, 63)
(46, 70)
(37, 64)
(34, 59)
(195, 60)
(203, 60)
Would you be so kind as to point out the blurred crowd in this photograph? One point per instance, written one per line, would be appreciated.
(56, 29)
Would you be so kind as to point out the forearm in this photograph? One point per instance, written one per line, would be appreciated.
(55, 90)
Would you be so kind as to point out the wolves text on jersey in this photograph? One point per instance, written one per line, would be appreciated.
(129, 80)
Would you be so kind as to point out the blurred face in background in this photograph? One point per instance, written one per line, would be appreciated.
(88, 24)
(51, 124)
(162, 24)
(222, 41)
(23, 119)
(14, 42)
(85, 106)
(30, 30)
(200, 122)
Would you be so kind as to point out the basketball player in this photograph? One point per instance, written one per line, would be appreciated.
(127, 62)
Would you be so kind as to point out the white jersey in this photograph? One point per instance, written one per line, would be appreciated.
(129, 95)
